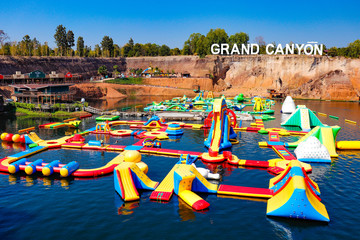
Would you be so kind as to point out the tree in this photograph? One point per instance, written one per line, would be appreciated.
(97, 51)
(175, 51)
(45, 50)
(192, 42)
(128, 48)
(164, 50)
(107, 46)
(218, 36)
(260, 40)
(262, 44)
(117, 50)
(80, 46)
(70, 40)
(186, 50)
(3, 38)
(239, 38)
(354, 49)
(102, 70)
(6, 49)
(131, 42)
(14, 49)
(87, 51)
(201, 46)
(26, 46)
(36, 47)
(139, 50)
(332, 52)
(116, 72)
(61, 39)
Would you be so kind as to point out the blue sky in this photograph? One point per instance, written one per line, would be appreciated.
(333, 23)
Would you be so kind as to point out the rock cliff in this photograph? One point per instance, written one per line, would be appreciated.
(189, 83)
(107, 90)
(319, 77)
(300, 76)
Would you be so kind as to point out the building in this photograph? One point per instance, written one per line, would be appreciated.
(39, 77)
(42, 93)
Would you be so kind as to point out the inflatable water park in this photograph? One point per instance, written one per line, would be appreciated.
(200, 103)
(291, 192)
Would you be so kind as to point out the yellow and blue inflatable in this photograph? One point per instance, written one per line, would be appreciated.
(296, 196)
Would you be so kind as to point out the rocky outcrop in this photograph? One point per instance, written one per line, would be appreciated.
(183, 83)
(107, 90)
(97, 90)
(299, 76)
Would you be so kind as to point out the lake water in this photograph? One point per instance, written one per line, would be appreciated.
(34, 207)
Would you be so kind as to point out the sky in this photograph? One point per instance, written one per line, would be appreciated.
(333, 23)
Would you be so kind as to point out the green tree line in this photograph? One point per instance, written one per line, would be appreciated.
(197, 44)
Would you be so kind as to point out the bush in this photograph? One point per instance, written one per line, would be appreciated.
(127, 81)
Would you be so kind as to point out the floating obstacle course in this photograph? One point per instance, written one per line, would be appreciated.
(185, 180)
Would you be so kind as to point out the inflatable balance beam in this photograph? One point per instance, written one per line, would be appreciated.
(245, 191)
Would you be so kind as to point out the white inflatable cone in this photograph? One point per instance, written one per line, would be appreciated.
(288, 105)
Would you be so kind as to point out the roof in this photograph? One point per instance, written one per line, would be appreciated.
(38, 86)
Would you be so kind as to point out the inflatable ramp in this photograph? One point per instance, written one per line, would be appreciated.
(303, 118)
(128, 177)
(296, 196)
(186, 180)
(165, 189)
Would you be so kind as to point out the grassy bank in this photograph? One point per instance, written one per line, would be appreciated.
(129, 81)
(58, 114)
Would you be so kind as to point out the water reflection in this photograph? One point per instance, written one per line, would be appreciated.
(129, 102)
(186, 212)
(11, 145)
(32, 180)
(175, 138)
(125, 208)
(71, 131)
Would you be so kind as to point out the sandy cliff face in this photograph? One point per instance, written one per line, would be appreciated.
(97, 90)
(189, 83)
(107, 90)
(299, 76)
